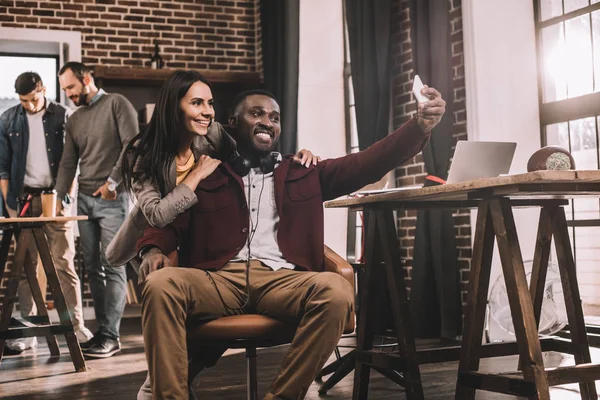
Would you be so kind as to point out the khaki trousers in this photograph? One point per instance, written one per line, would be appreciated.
(62, 246)
(319, 303)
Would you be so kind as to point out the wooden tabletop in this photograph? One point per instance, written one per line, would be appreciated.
(49, 220)
(536, 185)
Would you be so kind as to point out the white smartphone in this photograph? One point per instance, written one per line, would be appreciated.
(416, 89)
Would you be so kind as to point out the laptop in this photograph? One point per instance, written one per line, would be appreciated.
(475, 160)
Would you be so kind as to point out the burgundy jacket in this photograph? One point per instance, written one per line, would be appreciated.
(215, 229)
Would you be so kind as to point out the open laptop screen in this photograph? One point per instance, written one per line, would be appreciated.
(475, 160)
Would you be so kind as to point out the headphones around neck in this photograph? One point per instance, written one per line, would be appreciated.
(242, 165)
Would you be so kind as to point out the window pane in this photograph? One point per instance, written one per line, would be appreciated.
(585, 152)
(572, 5)
(13, 66)
(350, 91)
(596, 41)
(553, 49)
(579, 63)
(587, 258)
(583, 143)
(353, 129)
(558, 134)
(586, 208)
(550, 8)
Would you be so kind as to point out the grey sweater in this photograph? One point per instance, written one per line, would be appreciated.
(96, 136)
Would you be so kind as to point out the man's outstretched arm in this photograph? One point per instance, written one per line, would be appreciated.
(344, 175)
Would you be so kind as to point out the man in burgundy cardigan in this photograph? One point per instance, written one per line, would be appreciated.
(263, 222)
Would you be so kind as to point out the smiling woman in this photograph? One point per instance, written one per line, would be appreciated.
(164, 164)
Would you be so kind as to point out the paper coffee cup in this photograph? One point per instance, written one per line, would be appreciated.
(49, 203)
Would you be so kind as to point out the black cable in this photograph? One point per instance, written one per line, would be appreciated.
(253, 228)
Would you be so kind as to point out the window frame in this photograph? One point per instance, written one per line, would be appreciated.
(569, 109)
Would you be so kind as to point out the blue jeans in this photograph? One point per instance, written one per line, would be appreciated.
(108, 284)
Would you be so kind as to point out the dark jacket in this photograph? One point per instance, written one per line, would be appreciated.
(14, 144)
(215, 229)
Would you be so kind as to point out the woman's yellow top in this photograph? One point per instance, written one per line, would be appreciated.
(184, 170)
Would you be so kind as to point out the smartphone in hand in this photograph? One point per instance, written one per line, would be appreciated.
(416, 89)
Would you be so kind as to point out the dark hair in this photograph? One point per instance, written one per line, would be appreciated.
(159, 142)
(79, 70)
(242, 96)
(27, 82)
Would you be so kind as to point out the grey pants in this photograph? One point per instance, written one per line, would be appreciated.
(108, 284)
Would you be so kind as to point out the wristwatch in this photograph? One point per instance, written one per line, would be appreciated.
(145, 250)
(112, 185)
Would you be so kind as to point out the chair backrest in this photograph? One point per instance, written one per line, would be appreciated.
(336, 263)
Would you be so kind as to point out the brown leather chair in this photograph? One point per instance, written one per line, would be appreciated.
(251, 331)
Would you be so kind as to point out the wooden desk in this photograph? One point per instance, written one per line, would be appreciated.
(494, 198)
(30, 233)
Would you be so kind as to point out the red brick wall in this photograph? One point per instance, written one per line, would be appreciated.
(413, 172)
(205, 35)
(211, 34)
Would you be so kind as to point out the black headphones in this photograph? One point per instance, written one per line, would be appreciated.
(242, 165)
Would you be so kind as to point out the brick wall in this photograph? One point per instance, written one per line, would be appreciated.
(205, 35)
(211, 34)
(404, 107)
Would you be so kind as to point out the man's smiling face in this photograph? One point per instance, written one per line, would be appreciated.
(258, 123)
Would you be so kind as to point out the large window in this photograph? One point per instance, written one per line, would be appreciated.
(568, 36)
(13, 64)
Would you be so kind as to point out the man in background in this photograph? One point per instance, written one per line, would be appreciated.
(95, 137)
(31, 145)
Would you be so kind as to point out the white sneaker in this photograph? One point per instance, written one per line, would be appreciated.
(21, 344)
(83, 334)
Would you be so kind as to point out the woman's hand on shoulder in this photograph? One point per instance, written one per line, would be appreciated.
(306, 157)
(204, 167)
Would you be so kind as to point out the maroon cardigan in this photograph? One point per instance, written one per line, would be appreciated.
(214, 230)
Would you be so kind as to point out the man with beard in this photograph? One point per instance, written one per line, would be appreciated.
(95, 137)
(254, 244)
(31, 145)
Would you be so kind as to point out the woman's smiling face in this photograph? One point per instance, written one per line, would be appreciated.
(197, 108)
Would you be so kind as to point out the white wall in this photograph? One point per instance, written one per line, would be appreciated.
(501, 89)
(321, 124)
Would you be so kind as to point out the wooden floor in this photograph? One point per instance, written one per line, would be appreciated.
(34, 376)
